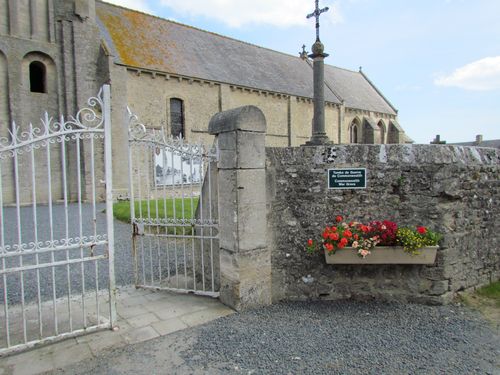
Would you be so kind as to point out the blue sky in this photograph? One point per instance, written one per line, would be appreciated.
(437, 61)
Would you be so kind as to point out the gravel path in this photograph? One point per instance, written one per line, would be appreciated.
(344, 337)
(124, 271)
(123, 253)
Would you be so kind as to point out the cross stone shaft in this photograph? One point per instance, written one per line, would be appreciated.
(317, 12)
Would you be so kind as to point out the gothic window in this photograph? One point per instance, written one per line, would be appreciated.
(38, 77)
(354, 132)
(176, 118)
(381, 128)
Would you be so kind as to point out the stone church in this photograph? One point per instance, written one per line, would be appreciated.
(54, 54)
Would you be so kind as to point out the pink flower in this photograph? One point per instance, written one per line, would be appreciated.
(364, 252)
(355, 244)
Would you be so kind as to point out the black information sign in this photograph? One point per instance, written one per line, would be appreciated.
(347, 178)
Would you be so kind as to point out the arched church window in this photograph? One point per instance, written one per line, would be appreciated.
(381, 128)
(176, 118)
(38, 77)
(354, 132)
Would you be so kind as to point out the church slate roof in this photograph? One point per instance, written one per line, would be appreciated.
(144, 41)
(493, 143)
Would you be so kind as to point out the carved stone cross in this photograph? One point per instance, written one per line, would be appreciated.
(317, 12)
(303, 54)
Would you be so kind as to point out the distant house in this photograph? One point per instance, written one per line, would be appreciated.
(494, 143)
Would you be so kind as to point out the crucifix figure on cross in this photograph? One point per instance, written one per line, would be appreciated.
(317, 12)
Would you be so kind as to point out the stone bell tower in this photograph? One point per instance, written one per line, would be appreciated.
(49, 51)
(49, 62)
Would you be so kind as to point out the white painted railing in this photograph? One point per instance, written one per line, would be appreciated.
(56, 247)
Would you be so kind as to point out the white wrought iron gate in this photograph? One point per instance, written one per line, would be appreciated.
(173, 210)
(56, 245)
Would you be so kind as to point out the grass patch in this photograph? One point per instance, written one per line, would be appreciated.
(486, 300)
(164, 208)
(491, 291)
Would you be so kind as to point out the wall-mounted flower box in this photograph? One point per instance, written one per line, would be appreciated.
(383, 255)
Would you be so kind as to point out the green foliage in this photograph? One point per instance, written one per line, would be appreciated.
(311, 246)
(491, 291)
(184, 209)
(413, 240)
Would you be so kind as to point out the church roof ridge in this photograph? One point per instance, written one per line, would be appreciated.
(139, 39)
(133, 10)
(377, 90)
(200, 29)
(217, 34)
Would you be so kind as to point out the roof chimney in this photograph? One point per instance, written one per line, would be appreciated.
(479, 139)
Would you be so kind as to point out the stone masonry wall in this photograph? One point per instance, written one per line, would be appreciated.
(453, 190)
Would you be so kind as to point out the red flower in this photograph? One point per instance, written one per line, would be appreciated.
(422, 230)
(325, 235)
(386, 230)
(338, 219)
(342, 243)
(347, 233)
(356, 237)
(329, 247)
(333, 236)
(309, 242)
(334, 229)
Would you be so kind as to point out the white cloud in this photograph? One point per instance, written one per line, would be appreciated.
(236, 13)
(132, 4)
(481, 75)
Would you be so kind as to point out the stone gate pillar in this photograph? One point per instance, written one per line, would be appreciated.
(245, 260)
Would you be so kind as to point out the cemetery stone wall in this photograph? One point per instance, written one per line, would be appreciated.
(451, 189)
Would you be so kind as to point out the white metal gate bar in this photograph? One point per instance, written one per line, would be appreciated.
(54, 261)
(175, 238)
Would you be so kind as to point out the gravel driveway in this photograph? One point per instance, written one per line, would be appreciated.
(344, 337)
(123, 253)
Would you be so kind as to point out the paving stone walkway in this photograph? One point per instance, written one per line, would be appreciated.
(143, 315)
